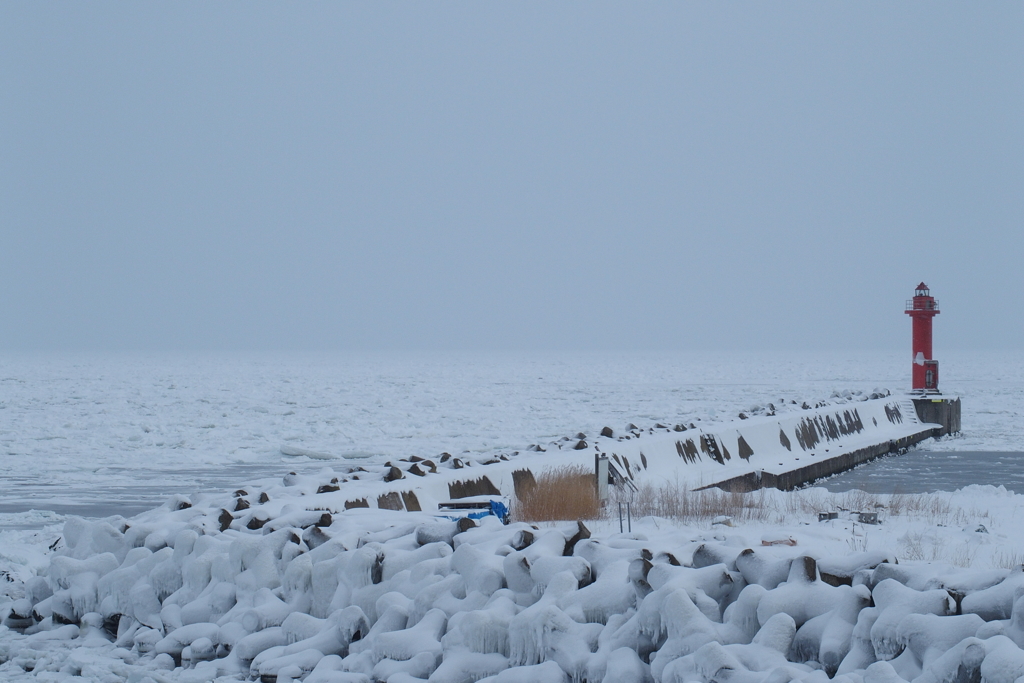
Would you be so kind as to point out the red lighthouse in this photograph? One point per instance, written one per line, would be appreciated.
(921, 309)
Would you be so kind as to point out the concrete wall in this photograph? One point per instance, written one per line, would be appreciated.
(787, 481)
(943, 411)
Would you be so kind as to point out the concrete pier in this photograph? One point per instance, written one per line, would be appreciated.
(801, 476)
(782, 449)
(940, 415)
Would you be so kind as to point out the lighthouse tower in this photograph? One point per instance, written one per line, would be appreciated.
(921, 309)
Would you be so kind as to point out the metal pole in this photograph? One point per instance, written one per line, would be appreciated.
(620, 518)
(629, 516)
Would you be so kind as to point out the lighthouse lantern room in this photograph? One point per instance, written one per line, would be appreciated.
(921, 309)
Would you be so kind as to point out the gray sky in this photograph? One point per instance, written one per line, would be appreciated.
(509, 175)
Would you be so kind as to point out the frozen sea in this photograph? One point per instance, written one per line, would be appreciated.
(98, 435)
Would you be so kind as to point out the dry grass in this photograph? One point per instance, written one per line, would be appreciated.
(930, 547)
(929, 505)
(963, 555)
(1008, 559)
(677, 502)
(567, 493)
(912, 546)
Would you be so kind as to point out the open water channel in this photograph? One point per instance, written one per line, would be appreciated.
(928, 471)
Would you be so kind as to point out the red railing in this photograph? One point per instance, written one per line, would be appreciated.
(927, 305)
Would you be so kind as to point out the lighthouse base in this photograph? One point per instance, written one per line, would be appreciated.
(943, 411)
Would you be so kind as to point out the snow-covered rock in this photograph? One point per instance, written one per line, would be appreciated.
(398, 596)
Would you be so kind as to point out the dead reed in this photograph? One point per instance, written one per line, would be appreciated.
(566, 493)
(675, 501)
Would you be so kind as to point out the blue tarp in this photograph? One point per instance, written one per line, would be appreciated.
(496, 508)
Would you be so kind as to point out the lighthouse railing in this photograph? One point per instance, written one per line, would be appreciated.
(928, 305)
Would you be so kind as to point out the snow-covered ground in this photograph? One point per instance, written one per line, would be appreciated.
(198, 603)
(932, 593)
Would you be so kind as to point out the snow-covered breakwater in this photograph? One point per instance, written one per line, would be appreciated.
(329, 596)
(782, 450)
